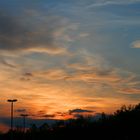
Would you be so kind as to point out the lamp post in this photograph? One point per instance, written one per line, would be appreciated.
(24, 122)
(12, 114)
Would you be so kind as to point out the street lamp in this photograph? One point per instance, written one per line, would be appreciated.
(12, 114)
(24, 123)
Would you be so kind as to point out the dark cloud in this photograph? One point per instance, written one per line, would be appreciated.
(30, 31)
(48, 116)
(42, 114)
(11, 32)
(20, 110)
(28, 74)
(79, 111)
(7, 64)
(105, 72)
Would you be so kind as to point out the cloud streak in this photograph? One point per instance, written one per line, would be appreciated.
(111, 2)
(136, 44)
(7, 64)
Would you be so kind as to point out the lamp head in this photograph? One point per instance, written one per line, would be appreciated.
(24, 115)
(9, 100)
(14, 100)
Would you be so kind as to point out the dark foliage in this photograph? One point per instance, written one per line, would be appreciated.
(124, 124)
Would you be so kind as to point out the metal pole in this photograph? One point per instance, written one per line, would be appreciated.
(11, 116)
(24, 121)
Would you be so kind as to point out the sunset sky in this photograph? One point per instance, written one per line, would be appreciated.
(63, 57)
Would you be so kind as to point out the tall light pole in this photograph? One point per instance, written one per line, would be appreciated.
(24, 123)
(12, 114)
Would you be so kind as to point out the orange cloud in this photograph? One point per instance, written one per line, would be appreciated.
(130, 90)
(86, 84)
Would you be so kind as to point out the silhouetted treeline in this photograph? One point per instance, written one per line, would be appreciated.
(124, 124)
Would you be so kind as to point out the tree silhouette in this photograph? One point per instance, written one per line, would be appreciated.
(124, 124)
